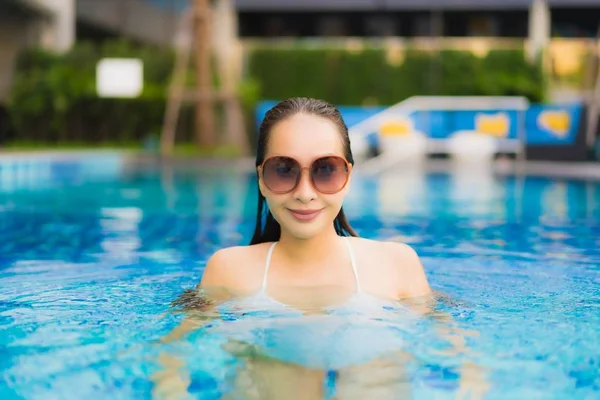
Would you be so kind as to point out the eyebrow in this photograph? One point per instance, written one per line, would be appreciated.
(313, 158)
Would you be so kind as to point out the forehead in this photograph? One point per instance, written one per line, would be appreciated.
(305, 137)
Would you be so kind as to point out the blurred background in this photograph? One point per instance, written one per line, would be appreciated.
(361, 55)
(127, 135)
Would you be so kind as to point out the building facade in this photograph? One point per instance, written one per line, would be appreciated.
(411, 18)
(56, 24)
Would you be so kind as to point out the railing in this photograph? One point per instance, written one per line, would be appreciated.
(502, 116)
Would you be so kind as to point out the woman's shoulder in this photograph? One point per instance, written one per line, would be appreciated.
(393, 254)
(394, 259)
(386, 248)
(235, 266)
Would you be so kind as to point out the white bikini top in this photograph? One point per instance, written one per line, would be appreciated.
(352, 262)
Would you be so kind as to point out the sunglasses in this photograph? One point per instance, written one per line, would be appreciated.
(328, 174)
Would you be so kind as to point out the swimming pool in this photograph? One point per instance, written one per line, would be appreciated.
(92, 254)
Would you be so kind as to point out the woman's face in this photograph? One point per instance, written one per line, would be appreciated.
(304, 212)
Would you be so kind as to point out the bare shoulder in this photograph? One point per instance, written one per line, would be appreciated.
(400, 262)
(234, 267)
(404, 257)
(386, 248)
(403, 252)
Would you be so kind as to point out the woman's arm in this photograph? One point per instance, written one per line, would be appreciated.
(172, 379)
(198, 304)
(199, 308)
(413, 280)
(416, 292)
(474, 382)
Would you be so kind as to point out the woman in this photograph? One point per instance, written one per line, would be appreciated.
(304, 166)
(305, 259)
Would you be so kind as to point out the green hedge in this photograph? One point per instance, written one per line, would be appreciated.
(53, 99)
(354, 78)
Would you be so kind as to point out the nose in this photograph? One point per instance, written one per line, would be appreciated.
(305, 192)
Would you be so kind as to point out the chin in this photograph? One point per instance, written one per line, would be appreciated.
(304, 234)
(304, 231)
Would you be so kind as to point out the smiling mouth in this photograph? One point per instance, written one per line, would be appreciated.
(305, 215)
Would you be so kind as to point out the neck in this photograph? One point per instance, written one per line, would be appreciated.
(309, 251)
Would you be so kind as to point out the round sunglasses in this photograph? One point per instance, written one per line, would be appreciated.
(328, 174)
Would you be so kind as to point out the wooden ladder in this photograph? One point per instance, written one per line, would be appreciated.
(592, 137)
(195, 29)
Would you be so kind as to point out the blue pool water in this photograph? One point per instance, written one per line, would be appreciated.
(92, 254)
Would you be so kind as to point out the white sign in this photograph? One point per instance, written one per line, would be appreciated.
(119, 77)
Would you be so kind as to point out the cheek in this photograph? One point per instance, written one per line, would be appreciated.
(334, 201)
(270, 198)
(274, 202)
(261, 188)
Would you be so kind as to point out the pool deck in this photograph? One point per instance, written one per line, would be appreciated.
(565, 170)
(555, 169)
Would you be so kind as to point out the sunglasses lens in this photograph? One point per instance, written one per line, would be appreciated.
(329, 174)
(280, 174)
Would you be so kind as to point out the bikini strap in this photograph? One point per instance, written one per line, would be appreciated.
(267, 265)
(353, 262)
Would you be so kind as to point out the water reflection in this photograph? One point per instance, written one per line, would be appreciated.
(400, 193)
(88, 263)
(120, 227)
(478, 192)
(178, 214)
(278, 356)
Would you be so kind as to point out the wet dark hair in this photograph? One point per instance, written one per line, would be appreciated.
(267, 228)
